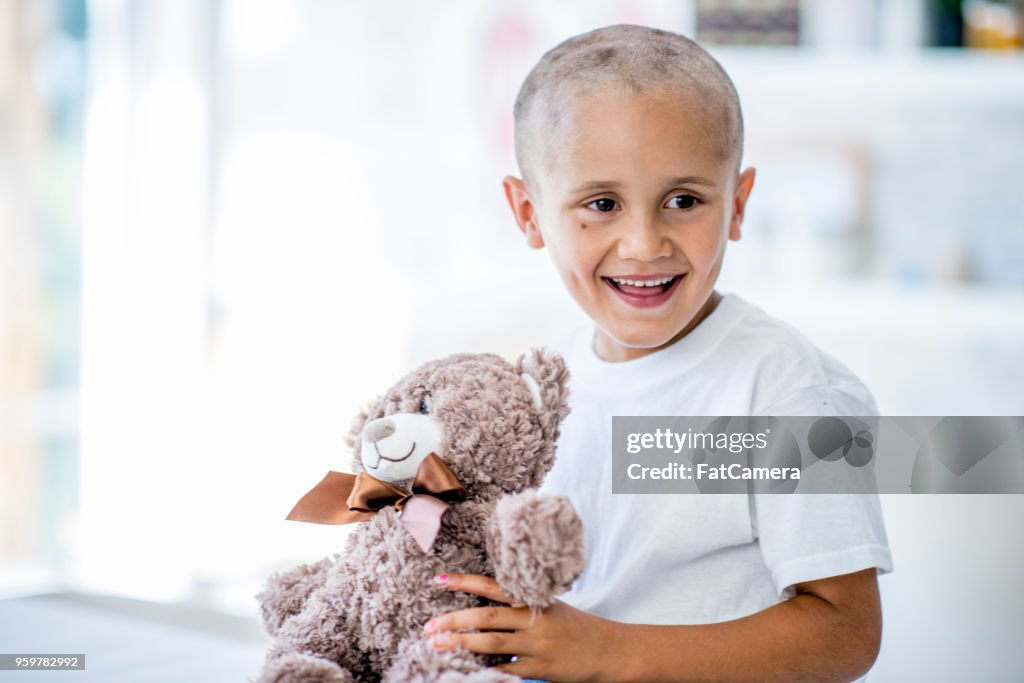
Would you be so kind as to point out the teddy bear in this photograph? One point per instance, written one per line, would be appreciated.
(444, 478)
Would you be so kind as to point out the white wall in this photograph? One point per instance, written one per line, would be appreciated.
(952, 607)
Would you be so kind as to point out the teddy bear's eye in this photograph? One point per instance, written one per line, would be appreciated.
(424, 408)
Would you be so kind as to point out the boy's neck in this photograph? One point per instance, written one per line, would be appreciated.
(612, 352)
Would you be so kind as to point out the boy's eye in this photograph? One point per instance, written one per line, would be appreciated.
(684, 201)
(680, 201)
(603, 205)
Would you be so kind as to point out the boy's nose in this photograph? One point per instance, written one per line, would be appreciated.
(643, 240)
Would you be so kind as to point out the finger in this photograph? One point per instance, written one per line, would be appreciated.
(524, 667)
(476, 584)
(489, 642)
(492, 617)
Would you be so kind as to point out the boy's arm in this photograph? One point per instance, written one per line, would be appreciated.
(829, 631)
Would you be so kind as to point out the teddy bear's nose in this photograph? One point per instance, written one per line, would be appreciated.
(378, 429)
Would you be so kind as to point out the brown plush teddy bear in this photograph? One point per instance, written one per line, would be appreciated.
(446, 465)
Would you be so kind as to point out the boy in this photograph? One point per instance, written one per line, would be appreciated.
(629, 140)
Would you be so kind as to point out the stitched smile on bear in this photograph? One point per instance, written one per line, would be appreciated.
(393, 446)
(384, 457)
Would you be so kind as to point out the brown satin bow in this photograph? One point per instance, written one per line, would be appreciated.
(364, 494)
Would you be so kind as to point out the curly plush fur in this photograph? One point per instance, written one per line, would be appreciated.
(358, 616)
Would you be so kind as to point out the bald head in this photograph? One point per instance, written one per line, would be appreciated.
(623, 58)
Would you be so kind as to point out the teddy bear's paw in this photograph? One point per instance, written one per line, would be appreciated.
(536, 543)
(295, 667)
(285, 593)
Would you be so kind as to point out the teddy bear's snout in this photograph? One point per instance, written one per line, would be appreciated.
(393, 446)
(378, 430)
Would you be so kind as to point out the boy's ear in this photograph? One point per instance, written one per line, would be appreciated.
(524, 210)
(739, 203)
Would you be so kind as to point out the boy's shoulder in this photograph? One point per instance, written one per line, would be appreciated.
(793, 375)
(741, 349)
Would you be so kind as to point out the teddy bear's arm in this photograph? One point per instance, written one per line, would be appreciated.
(536, 544)
(285, 593)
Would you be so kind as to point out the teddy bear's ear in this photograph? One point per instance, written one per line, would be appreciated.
(546, 378)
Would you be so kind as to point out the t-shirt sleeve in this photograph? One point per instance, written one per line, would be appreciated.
(809, 536)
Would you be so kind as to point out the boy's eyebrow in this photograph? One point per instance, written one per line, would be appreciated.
(610, 184)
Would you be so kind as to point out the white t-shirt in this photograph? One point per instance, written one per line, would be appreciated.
(705, 558)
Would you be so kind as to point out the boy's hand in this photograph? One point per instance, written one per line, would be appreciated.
(559, 643)
(829, 631)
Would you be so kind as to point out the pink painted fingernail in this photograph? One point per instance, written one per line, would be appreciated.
(430, 627)
(442, 640)
(441, 579)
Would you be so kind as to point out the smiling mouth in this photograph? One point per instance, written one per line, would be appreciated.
(646, 291)
(384, 457)
(650, 286)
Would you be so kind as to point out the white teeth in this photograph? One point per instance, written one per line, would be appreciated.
(643, 283)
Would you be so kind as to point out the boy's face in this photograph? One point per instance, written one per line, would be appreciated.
(636, 194)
